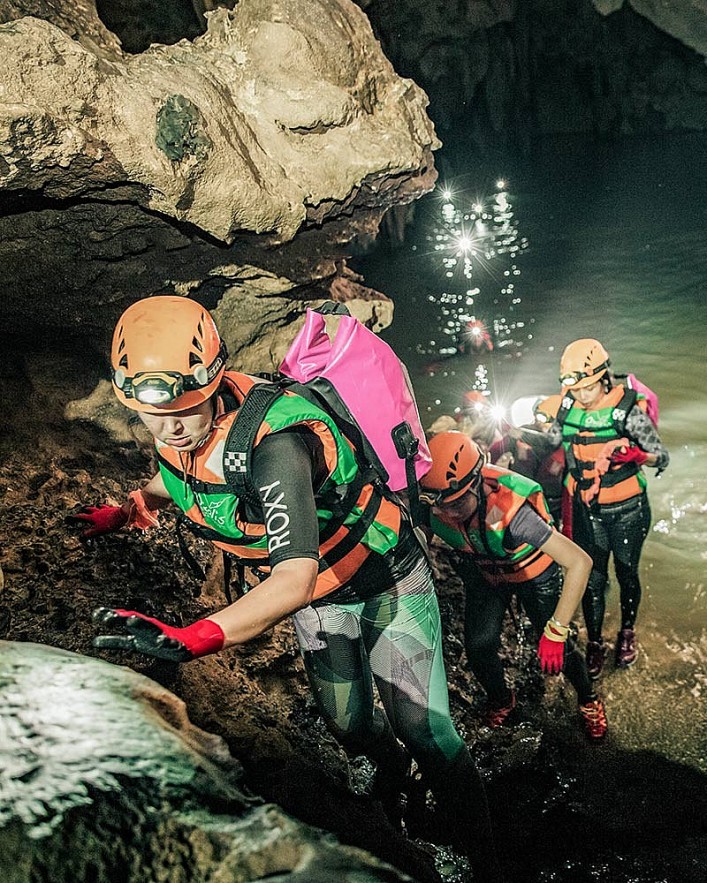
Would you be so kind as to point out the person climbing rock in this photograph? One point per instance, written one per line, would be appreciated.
(607, 437)
(500, 522)
(340, 555)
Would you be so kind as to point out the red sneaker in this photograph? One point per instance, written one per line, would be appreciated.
(596, 651)
(626, 651)
(495, 716)
(594, 716)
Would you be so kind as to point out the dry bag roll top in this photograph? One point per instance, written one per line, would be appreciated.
(374, 386)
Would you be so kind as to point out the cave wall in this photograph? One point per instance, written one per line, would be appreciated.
(245, 162)
(504, 73)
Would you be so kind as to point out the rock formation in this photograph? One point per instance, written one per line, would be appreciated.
(686, 20)
(236, 168)
(101, 772)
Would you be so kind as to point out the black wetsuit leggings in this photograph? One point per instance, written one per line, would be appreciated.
(485, 609)
(619, 529)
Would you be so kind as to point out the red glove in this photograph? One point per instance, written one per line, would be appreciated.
(629, 455)
(101, 519)
(551, 648)
(144, 634)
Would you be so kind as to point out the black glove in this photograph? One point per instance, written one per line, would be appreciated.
(141, 634)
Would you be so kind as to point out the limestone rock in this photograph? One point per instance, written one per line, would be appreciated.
(282, 113)
(686, 21)
(79, 19)
(102, 774)
(258, 316)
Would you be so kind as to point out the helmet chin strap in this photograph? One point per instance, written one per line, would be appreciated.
(213, 402)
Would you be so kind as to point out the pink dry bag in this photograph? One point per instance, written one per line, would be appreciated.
(370, 380)
(651, 397)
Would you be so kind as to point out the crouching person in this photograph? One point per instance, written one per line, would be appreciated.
(501, 521)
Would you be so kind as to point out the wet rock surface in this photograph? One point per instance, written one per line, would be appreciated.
(103, 773)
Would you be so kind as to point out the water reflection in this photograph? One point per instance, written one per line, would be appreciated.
(474, 245)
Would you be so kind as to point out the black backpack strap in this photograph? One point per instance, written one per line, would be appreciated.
(565, 407)
(238, 450)
(181, 522)
(621, 411)
(407, 445)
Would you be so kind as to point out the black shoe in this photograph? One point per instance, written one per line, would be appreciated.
(596, 653)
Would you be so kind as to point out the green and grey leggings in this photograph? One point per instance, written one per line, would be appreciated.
(395, 641)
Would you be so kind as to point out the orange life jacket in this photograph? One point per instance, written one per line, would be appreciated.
(585, 435)
(483, 535)
(354, 516)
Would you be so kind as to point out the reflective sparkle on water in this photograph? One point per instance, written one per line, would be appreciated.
(475, 246)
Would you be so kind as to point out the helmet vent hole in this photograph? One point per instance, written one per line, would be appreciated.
(196, 343)
(195, 359)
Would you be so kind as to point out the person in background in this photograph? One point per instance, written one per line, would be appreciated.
(607, 437)
(342, 558)
(500, 520)
(532, 454)
(476, 418)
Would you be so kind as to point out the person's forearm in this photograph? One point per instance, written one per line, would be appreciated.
(577, 565)
(573, 587)
(268, 603)
(155, 492)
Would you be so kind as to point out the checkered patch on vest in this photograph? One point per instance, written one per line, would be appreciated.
(234, 461)
(618, 415)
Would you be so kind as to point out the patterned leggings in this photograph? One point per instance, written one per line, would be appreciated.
(394, 641)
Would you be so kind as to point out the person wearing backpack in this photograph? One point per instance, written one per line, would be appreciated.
(608, 436)
(339, 552)
(499, 522)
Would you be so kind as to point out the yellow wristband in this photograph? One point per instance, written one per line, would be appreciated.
(555, 631)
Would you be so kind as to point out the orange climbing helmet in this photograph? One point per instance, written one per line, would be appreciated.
(456, 467)
(167, 355)
(547, 408)
(583, 362)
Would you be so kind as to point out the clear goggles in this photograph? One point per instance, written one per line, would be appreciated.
(440, 497)
(162, 387)
(575, 376)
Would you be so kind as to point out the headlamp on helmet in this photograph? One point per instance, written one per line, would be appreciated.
(167, 354)
(162, 387)
(583, 362)
(572, 378)
(456, 468)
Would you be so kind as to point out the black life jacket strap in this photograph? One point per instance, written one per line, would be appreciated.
(182, 522)
(355, 533)
(238, 450)
(621, 411)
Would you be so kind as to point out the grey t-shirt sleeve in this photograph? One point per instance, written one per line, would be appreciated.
(640, 429)
(527, 527)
